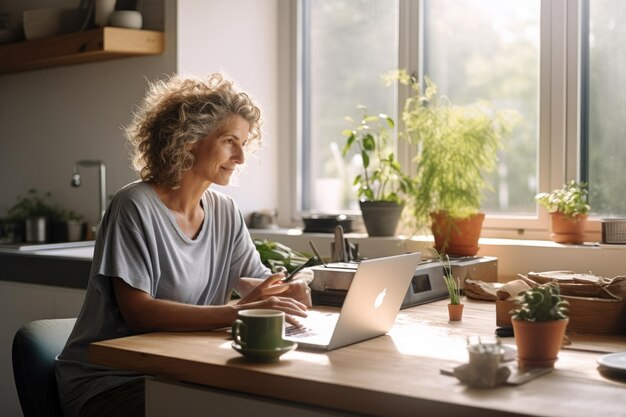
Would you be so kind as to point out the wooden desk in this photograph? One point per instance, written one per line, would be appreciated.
(392, 375)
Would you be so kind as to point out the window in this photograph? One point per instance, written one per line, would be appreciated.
(522, 55)
(489, 49)
(604, 132)
(347, 45)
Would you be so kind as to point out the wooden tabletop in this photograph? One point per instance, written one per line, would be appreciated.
(393, 375)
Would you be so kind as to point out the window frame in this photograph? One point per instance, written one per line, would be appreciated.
(559, 96)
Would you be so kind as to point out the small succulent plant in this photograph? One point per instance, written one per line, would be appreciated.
(542, 303)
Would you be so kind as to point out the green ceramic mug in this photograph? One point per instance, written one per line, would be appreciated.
(259, 329)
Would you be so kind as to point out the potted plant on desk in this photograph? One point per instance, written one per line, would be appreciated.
(568, 210)
(455, 307)
(456, 147)
(381, 185)
(539, 319)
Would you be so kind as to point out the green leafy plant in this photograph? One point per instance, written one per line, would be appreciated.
(542, 303)
(275, 255)
(63, 215)
(571, 199)
(33, 204)
(381, 178)
(457, 146)
(453, 284)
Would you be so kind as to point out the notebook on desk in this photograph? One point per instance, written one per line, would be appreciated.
(369, 310)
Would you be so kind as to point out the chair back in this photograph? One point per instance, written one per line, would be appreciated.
(35, 348)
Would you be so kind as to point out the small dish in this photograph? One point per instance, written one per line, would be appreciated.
(265, 354)
(614, 361)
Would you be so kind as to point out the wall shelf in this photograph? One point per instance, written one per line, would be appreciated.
(79, 47)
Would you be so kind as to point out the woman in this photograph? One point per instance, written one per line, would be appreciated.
(169, 250)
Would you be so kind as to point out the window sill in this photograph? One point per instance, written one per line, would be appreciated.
(514, 255)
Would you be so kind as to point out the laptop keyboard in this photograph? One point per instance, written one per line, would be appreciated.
(294, 331)
(315, 324)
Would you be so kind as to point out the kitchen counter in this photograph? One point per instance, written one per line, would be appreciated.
(60, 265)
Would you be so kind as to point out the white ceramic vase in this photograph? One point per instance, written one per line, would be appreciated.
(103, 10)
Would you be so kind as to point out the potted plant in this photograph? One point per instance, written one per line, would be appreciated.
(457, 146)
(32, 213)
(381, 184)
(455, 307)
(66, 226)
(568, 210)
(539, 319)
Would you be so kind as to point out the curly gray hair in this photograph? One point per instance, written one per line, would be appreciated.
(178, 112)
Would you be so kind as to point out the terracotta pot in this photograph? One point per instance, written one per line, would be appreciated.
(455, 312)
(457, 236)
(538, 343)
(567, 229)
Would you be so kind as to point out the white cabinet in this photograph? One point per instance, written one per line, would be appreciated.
(19, 304)
(165, 398)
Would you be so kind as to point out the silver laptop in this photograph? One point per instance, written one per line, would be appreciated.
(369, 310)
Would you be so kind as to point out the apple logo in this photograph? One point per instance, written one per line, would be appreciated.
(379, 298)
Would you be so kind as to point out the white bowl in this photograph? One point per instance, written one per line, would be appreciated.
(42, 23)
(126, 19)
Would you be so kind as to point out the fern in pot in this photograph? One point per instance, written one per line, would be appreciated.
(381, 185)
(457, 146)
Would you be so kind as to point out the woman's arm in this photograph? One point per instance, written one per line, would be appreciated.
(144, 313)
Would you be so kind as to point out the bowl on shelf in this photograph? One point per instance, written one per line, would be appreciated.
(130, 19)
(43, 23)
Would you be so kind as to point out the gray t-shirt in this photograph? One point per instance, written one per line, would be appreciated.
(140, 242)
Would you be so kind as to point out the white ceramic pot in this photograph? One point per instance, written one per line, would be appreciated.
(130, 19)
(75, 230)
(103, 11)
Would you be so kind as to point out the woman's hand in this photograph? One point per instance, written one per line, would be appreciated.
(293, 297)
(299, 290)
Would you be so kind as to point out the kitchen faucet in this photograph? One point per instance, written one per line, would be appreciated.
(76, 181)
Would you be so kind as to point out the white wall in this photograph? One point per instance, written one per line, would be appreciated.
(240, 39)
(50, 118)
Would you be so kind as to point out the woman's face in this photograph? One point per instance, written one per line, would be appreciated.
(217, 156)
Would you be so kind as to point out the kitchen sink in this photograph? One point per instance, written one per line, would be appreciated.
(24, 246)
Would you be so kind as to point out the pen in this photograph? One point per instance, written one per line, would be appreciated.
(308, 263)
